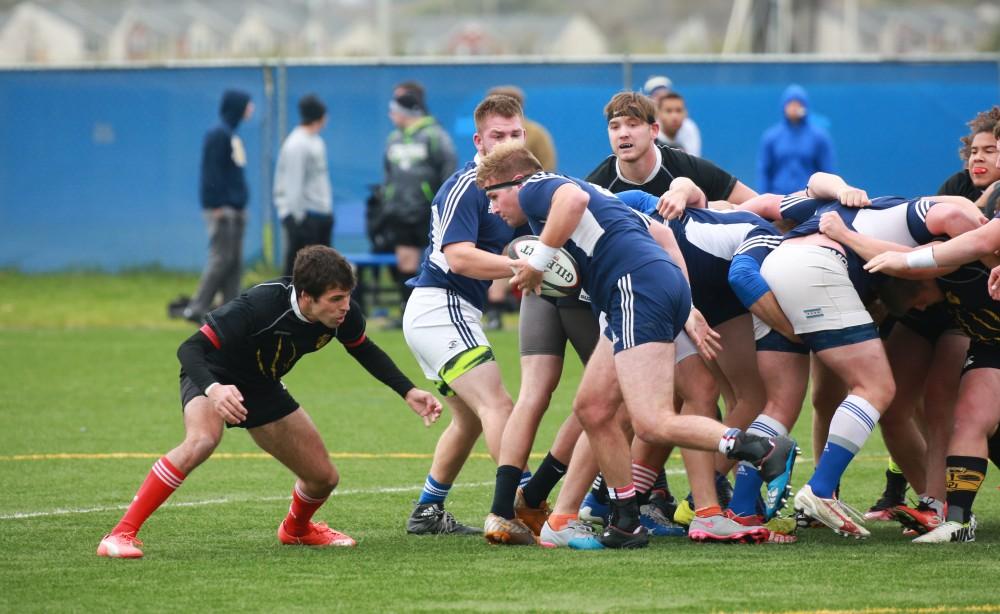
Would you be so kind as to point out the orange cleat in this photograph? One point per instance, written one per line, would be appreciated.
(318, 535)
(534, 517)
(120, 546)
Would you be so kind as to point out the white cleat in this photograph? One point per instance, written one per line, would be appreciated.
(948, 532)
(576, 535)
(843, 519)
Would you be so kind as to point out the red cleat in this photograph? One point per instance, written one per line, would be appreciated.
(120, 546)
(318, 535)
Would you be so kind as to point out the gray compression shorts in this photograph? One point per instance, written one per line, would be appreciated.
(545, 328)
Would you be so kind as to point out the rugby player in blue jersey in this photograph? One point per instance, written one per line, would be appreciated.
(645, 300)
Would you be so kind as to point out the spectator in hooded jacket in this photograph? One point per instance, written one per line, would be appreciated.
(793, 149)
(224, 197)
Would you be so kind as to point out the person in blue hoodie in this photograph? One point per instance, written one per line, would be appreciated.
(793, 149)
(224, 195)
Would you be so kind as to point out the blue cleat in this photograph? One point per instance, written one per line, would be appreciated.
(657, 524)
(779, 487)
(593, 511)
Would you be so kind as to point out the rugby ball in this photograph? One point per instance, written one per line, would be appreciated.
(561, 277)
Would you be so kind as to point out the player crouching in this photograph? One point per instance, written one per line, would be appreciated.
(231, 372)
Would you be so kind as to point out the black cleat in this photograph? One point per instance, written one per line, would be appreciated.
(613, 537)
(429, 519)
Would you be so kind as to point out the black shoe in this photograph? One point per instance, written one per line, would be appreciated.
(613, 537)
(175, 308)
(430, 519)
(664, 501)
(723, 490)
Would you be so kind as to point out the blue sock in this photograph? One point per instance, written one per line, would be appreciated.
(746, 491)
(852, 423)
(832, 465)
(525, 478)
(434, 491)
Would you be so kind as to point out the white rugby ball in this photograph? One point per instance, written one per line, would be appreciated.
(561, 277)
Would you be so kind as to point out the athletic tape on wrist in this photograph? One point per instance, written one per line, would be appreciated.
(542, 256)
(921, 259)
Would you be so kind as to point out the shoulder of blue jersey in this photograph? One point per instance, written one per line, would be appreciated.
(560, 278)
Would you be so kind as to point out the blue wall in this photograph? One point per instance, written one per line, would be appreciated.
(99, 168)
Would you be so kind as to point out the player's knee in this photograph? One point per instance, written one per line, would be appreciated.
(200, 446)
(591, 412)
(650, 429)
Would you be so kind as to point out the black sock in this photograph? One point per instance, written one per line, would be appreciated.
(625, 514)
(994, 448)
(545, 478)
(661, 483)
(508, 477)
(965, 474)
(895, 485)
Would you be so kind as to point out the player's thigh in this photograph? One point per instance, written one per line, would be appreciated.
(439, 325)
(646, 379)
(786, 378)
(859, 364)
(482, 388)
(297, 444)
(738, 356)
(909, 356)
(201, 422)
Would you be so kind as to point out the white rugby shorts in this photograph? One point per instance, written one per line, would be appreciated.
(813, 288)
(438, 325)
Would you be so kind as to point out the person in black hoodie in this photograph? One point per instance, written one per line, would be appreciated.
(224, 195)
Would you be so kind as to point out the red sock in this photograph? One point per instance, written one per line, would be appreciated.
(162, 481)
(301, 511)
(643, 476)
(708, 512)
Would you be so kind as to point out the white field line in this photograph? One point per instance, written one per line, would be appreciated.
(225, 500)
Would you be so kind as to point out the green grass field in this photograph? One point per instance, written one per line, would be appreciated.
(90, 400)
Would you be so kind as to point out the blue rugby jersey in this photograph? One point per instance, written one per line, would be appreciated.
(461, 212)
(609, 242)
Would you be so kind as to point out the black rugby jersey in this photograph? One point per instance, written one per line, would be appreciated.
(260, 335)
(967, 298)
(716, 183)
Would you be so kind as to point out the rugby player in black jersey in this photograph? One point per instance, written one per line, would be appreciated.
(231, 372)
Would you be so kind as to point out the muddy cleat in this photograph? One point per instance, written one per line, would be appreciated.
(499, 530)
(658, 525)
(120, 546)
(684, 513)
(429, 519)
(318, 535)
(613, 537)
(782, 530)
(664, 501)
(575, 535)
(950, 531)
(721, 529)
(843, 519)
(534, 517)
(593, 511)
(921, 519)
(805, 521)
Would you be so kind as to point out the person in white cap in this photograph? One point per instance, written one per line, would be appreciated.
(688, 136)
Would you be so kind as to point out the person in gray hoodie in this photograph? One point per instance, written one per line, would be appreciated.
(224, 196)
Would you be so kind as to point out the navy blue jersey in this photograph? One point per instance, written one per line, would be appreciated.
(461, 212)
(969, 303)
(888, 218)
(610, 240)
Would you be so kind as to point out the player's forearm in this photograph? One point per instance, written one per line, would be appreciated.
(769, 311)
(868, 247)
(381, 367)
(193, 356)
(825, 186)
(473, 262)
(695, 197)
(973, 245)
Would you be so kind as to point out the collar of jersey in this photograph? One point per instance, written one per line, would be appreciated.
(652, 174)
(295, 307)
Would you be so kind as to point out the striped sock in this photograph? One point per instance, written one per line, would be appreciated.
(434, 491)
(161, 482)
(623, 493)
(853, 422)
(525, 478)
(301, 511)
(643, 477)
(728, 441)
(748, 482)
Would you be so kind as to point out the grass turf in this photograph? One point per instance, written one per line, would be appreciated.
(89, 401)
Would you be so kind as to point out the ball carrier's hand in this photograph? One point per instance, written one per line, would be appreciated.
(526, 277)
(424, 404)
(227, 401)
